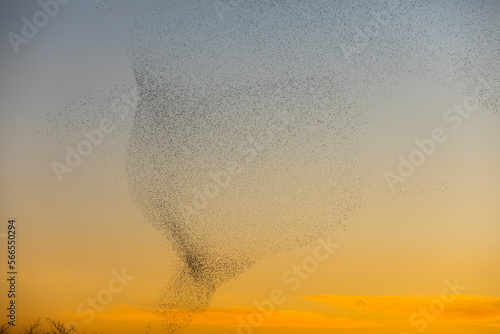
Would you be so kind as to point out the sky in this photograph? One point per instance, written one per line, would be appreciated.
(394, 255)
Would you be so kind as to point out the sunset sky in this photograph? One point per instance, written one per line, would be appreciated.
(395, 257)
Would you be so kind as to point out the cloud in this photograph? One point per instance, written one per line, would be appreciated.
(282, 318)
(229, 317)
(345, 312)
(465, 310)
